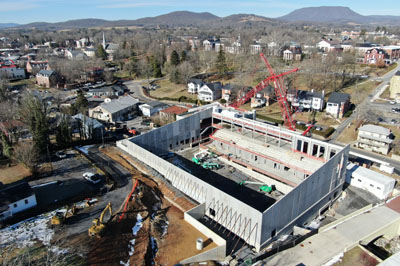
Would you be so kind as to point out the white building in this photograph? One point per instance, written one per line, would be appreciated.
(378, 184)
(115, 110)
(306, 100)
(338, 104)
(374, 138)
(152, 108)
(15, 198)
(210, 92)
(194, 85)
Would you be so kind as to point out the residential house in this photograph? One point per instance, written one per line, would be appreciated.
(291, 51)
(376, 56)
(48, 79)
(115, 110)
(210, 43)
(376, 183)
(362, 48)
(87, 127)
(36, 66)
(374, 138)
(194, 85)
(395, 86)
(15, 198)
(210, 92)
(170, 113)
(306, 100)
(226, 92)
(347, 46)
(338, 104)
(89, 52)
(75, 55)
(107, 91)
(255, 48)
(263, 97)
(328, 46)
(9, 70)
(152, 108)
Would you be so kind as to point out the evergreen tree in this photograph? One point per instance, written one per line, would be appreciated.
(81, 104)
(220, 63)
(175, 76)
(174, 58)
(64, 133)
(33, 112)
(156, 67)
(100, 52)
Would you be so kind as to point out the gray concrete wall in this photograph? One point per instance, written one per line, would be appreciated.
(304, 201)
(174, 136)
(233, 214)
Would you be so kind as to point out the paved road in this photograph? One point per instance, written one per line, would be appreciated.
(135, 87)
(366, 103)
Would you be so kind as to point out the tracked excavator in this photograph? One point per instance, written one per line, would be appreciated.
(98, 226)
(60, 217)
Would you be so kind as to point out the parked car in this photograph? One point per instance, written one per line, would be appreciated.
(93, 178)
(393, 121)
(392, 102)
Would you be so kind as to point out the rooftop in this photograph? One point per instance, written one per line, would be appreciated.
(14, 192)
(177, 110)
(375, 129)
(369, 174)
(337, 97)
(119, 104)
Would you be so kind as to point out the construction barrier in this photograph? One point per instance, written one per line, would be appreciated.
(127, 200)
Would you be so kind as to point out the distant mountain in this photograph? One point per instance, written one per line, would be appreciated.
(335, 14)
(8, 25)
(178, 18)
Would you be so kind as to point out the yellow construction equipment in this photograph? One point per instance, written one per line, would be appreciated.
(97, 229)
(60, 217)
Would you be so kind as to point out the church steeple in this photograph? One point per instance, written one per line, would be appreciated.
(104, 41)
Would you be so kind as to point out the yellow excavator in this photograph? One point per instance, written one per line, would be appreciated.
(60, 217)
(98, 226)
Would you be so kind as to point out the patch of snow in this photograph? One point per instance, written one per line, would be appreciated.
(59, 251)
(124, 263)
(337, 258)
(45, 184)
(131, 247)
(84, 149)
(26, 233)
(165, 228)
(138, 225)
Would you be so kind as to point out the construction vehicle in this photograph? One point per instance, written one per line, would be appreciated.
(263, 186)
(60, 217)
(98, 226)
(199, 157)
(211, 166)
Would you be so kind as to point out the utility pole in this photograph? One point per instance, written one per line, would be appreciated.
(48, 154)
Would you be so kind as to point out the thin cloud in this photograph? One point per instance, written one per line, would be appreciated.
(17, 6)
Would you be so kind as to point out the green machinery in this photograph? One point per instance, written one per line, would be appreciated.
(263, 186)
(196, 160)
(207, 165)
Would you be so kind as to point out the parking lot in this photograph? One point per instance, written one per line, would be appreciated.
(65, 182)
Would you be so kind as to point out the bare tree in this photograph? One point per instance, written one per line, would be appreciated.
(26, 153)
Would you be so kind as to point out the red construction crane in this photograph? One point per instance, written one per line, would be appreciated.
(280, 93)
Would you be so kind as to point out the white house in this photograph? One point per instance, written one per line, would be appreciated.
(374, 138)
(338, 104)
(194, 85)
(378, 184)
(210, 92)
(152, 108)
(15, 198)
(306, 100)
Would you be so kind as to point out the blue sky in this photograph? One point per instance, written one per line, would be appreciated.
(26, 11)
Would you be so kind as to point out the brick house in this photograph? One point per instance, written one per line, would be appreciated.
(47, 78)
(375, 56)
(170, 113)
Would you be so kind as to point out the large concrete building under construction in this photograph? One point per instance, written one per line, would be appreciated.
(306, 174)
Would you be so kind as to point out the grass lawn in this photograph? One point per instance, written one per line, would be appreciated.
(13, 173)
(171, 90)
(23, 82)
(356, 257)
(321, 118)
(122, 74)
(386, 93)
(360, 91)
(349, 135)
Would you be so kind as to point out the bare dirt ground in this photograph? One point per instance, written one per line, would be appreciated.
(154, 201)
(13, 173)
